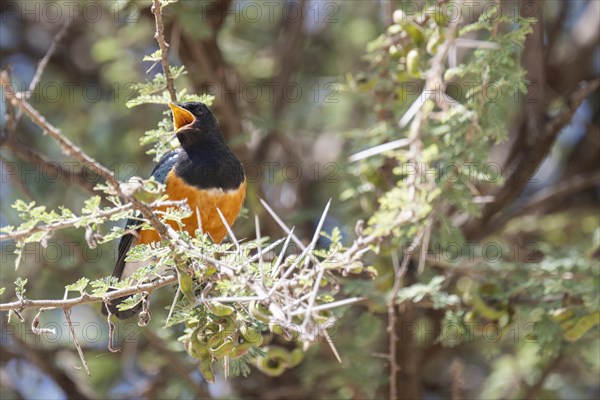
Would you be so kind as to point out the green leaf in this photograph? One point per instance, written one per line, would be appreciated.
(20, 287)
(156, 56)
(130, 302)
(91, 205)
(186, 285)
(78, 286)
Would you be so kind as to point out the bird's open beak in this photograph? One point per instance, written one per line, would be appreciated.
(181, 116)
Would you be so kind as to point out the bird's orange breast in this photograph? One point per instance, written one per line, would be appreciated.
(205, 203)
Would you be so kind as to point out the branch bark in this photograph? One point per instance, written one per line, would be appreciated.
(86, 298)
(160, 38)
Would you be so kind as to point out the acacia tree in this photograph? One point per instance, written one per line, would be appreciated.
(420, 181)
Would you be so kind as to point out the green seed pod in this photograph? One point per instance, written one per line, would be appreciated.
(568, 324)
(276, 352)
(471, 316)
(221, 310)
(467, 298)
(229, 327)
(205, 368)
(296, 357)
(240, 350)
(192, 324)
(224, 349)
(413, 58)
(196, 347)
(251, 335)
(199, 353)
(275, 361)
(216, 340)
(259, 312)
(276, 329)
(561, 314)
(186, 284)
(415, 33)
(434, 42)
(583, 325)
(484, 310)
(321, 319)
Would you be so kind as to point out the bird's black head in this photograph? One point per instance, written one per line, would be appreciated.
(193, 115)
(194, 123)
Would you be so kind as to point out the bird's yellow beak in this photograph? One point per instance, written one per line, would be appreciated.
(181, 116)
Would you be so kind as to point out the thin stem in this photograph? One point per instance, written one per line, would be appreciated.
(160, 38)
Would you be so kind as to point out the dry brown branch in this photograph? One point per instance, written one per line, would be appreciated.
(41, 67)
(27, 154)
(530, 159)
(76, 342)
(66, 145)
(457, 370)
(160, 38)
(544, 198)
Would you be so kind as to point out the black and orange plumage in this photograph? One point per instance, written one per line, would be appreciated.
(204, 172)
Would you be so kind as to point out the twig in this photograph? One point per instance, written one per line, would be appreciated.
(392, 317)
(111, 332)
(229, 230)
(281, 256)
(43, 63)
(332, 346)
(165, 232)
(173, 305)
(287, 230)
(11, 118)
(457, 369)
(548, 196)
(71, 222)
(35, 325)
(86, 298)
(260, 253)
(28, 154)
(66, 145)
(329, 306)
(160, 38)
(76, 342)
(382, 148)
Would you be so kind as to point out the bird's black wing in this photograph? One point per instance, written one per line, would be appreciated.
(160, 172)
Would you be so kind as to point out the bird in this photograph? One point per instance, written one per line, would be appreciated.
(202, 171)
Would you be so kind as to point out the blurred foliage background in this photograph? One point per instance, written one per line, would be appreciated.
(295, 96)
